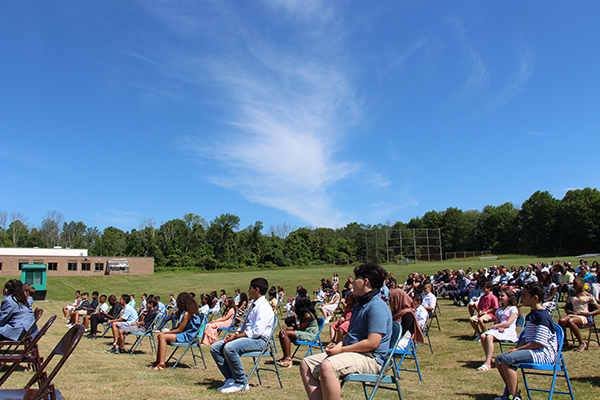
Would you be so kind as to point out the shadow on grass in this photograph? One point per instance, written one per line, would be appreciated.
(472, 364)
(479, 396)
(463, 337)
(461, 320)
(593, 380)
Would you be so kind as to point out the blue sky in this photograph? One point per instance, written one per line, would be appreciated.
(313, 113)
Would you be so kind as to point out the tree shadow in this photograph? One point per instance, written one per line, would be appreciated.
(594, 380)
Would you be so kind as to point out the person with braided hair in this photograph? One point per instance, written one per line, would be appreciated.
(16, 316)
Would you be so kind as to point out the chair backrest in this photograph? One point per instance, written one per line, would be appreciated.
(520, 320)
(560, 334)
(31, 345)
(64, 348)
(201, 327)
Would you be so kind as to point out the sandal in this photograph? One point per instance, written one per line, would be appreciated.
(157, 367)
(582, 347)
(285, 363)
(483, 368)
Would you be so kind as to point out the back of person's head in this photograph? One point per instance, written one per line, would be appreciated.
(261, 283)
(535, 289)
(151, 297)
(488, 285)
(273, 292)
(11, 285)
(153, 302)
(302, 292)
(303, 306)
(418, 298)
(185, 302)
(157, 297)
(375, 273)
(126, 298)
(95, 294)
(193, 294)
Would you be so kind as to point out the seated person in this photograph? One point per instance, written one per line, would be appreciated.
(143, 304)
(162, 309)
(84, 308)
(132, 302)
(16, 317)
(67, 309)
(211, 330)
(429, 299)
(339, 328)
(328, 309)
(486, 310)
(280, 294)
(305, 328)
(403, 311)
(128, 317)
(420, 311)
(204, 307)
(103, 316)
(29, 293)
(185, 331)
(461, 290)
(580, 312)
(289, 307)
(252, 336)
(504, 328)
(146, 319)
(214, 304)
(273, 297)
(551, 289)
(320, 296)
(364, 349)
(537, 345)
(103, 307)
(236, 298)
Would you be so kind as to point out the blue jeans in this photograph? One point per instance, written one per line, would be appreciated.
(514, 359)
(227, 356)
(166, 319)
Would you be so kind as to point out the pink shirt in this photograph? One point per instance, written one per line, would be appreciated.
(488, 303)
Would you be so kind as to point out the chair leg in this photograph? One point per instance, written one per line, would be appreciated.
(564, 367)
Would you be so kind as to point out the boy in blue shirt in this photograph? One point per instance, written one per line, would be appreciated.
(538, 343)
(365, 347)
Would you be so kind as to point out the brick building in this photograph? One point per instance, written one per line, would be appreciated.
(71, 262)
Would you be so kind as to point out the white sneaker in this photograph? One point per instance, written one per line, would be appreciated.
(228, 382)
(236, 387)
(69, 325)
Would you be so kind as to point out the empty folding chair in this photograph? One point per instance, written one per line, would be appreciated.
(409, 353)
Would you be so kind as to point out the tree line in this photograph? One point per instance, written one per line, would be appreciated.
(543, 225)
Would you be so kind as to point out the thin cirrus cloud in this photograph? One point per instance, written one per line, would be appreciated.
(285, 111)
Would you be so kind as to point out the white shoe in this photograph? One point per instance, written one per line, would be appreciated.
(228, 382)
(236, 387)
(69, 325)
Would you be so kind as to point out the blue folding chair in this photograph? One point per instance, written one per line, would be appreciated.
(147, 333)
(195, 343)
(315, 342)
(558, 369)
(375, 380)
(266, 351)
(409, 353)
(230, 328)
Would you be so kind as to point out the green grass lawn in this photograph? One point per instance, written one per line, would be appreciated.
(448, 373)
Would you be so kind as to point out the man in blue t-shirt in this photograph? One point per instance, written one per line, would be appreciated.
(365, 347)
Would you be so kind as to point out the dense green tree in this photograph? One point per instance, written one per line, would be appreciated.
(538, 222)
(497, 229)
(579, 220)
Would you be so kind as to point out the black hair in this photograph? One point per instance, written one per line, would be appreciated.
(273, 291)
(243, 298)
(303, 305)
(302, 292)
(418, 298)
(153, 302)
(103, 296)
(112, 298)
(95, 293)
(11, 285)
(375, 273)
(185, 302)
(126, 298)
(535, 289)
(261, 283)
(14, 287)
(488, 285)
(85, 294)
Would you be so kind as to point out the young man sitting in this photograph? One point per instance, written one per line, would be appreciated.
(81, 310)
(253, 335)
(102, 316)
(129, 317)
(146, 319)
(103, 307)
(429, 299)
(363, 350)
(486, 310)
(538, 343)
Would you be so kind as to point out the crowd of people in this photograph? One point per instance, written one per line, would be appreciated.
(360, 337)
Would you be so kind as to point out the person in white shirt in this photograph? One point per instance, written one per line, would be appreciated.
(429, 299)
(252, 335)
(420, 312)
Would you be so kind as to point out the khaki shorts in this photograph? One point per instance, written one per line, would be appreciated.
(344, 363)
(483, 318)
(583, 319)
(81, 312)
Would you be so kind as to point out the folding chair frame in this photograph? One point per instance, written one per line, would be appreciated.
(148, 333)
(267, 351)
(190, 346)
(314, 343)
(410, 353)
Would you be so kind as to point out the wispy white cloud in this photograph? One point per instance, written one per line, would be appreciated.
(286, 111)
(479, 76)
(535, 133)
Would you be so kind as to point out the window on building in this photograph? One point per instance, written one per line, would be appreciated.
(72, 266)
(85, 266)
(99, 267)
(0, 266)
(52, 266)
(21, 262)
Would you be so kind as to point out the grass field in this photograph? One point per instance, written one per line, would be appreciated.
(447, 374)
